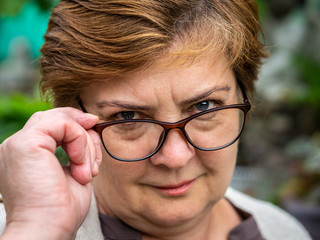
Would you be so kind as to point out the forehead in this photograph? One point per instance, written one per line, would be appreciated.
(164, 81)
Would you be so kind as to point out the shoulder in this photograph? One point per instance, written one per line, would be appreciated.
(2, 216)
(273, 222)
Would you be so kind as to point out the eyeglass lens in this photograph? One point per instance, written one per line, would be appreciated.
(134, 140)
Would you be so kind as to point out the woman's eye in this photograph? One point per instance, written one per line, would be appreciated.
(126, 115)
(123, 115)
(205, 105)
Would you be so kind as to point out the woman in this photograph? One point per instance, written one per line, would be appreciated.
(165, 84)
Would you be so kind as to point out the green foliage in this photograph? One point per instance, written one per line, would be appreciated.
(262, 8)
(13, 7)
(62, 156)
(310, 72)
(45, 5)
(15, 110)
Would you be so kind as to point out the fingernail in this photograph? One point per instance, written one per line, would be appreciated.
(95, 168)
(91, 115)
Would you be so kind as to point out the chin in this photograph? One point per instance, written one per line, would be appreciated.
(177, 213)
(173, 220)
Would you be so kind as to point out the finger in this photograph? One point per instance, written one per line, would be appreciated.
(75, 143)
(98, 154)
(81, 158)
(86, 120)
(81, 172)
(65, 131)
(66, 127)
(62, 125)
(84, 171)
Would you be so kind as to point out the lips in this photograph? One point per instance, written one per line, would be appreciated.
(177, 189)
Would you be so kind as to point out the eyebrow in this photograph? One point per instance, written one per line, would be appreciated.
(205, 94)
(135, 107)
(122, 104)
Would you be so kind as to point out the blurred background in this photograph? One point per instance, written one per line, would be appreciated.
(279, 158)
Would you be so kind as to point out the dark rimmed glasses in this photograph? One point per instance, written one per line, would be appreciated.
(139, 139)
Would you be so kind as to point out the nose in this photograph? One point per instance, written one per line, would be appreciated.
(175, 152)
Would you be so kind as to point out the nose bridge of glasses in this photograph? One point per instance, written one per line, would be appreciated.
(176, 126)
(179, 125)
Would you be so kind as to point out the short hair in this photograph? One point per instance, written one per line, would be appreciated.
(101, 39)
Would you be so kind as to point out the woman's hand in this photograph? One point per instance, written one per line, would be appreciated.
(44, 200)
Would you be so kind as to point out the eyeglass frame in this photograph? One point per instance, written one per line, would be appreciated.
(167, 126)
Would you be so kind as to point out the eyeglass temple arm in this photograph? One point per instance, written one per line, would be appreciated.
(242, 88)
(81, 105)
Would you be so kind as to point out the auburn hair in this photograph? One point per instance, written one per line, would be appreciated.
(100, 39)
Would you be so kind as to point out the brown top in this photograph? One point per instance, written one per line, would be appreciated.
(115, 229)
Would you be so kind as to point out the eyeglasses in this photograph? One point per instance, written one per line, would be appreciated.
(139, 139)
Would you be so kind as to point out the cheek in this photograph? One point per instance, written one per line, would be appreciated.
(119, 175)
(223, 157)
(220, 164)
(116, 184)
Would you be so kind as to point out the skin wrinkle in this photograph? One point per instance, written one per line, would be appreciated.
(119, 105)
(135, 107)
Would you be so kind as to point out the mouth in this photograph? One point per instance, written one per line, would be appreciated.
(176, 189)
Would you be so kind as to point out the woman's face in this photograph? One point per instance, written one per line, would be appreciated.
(179, 184)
